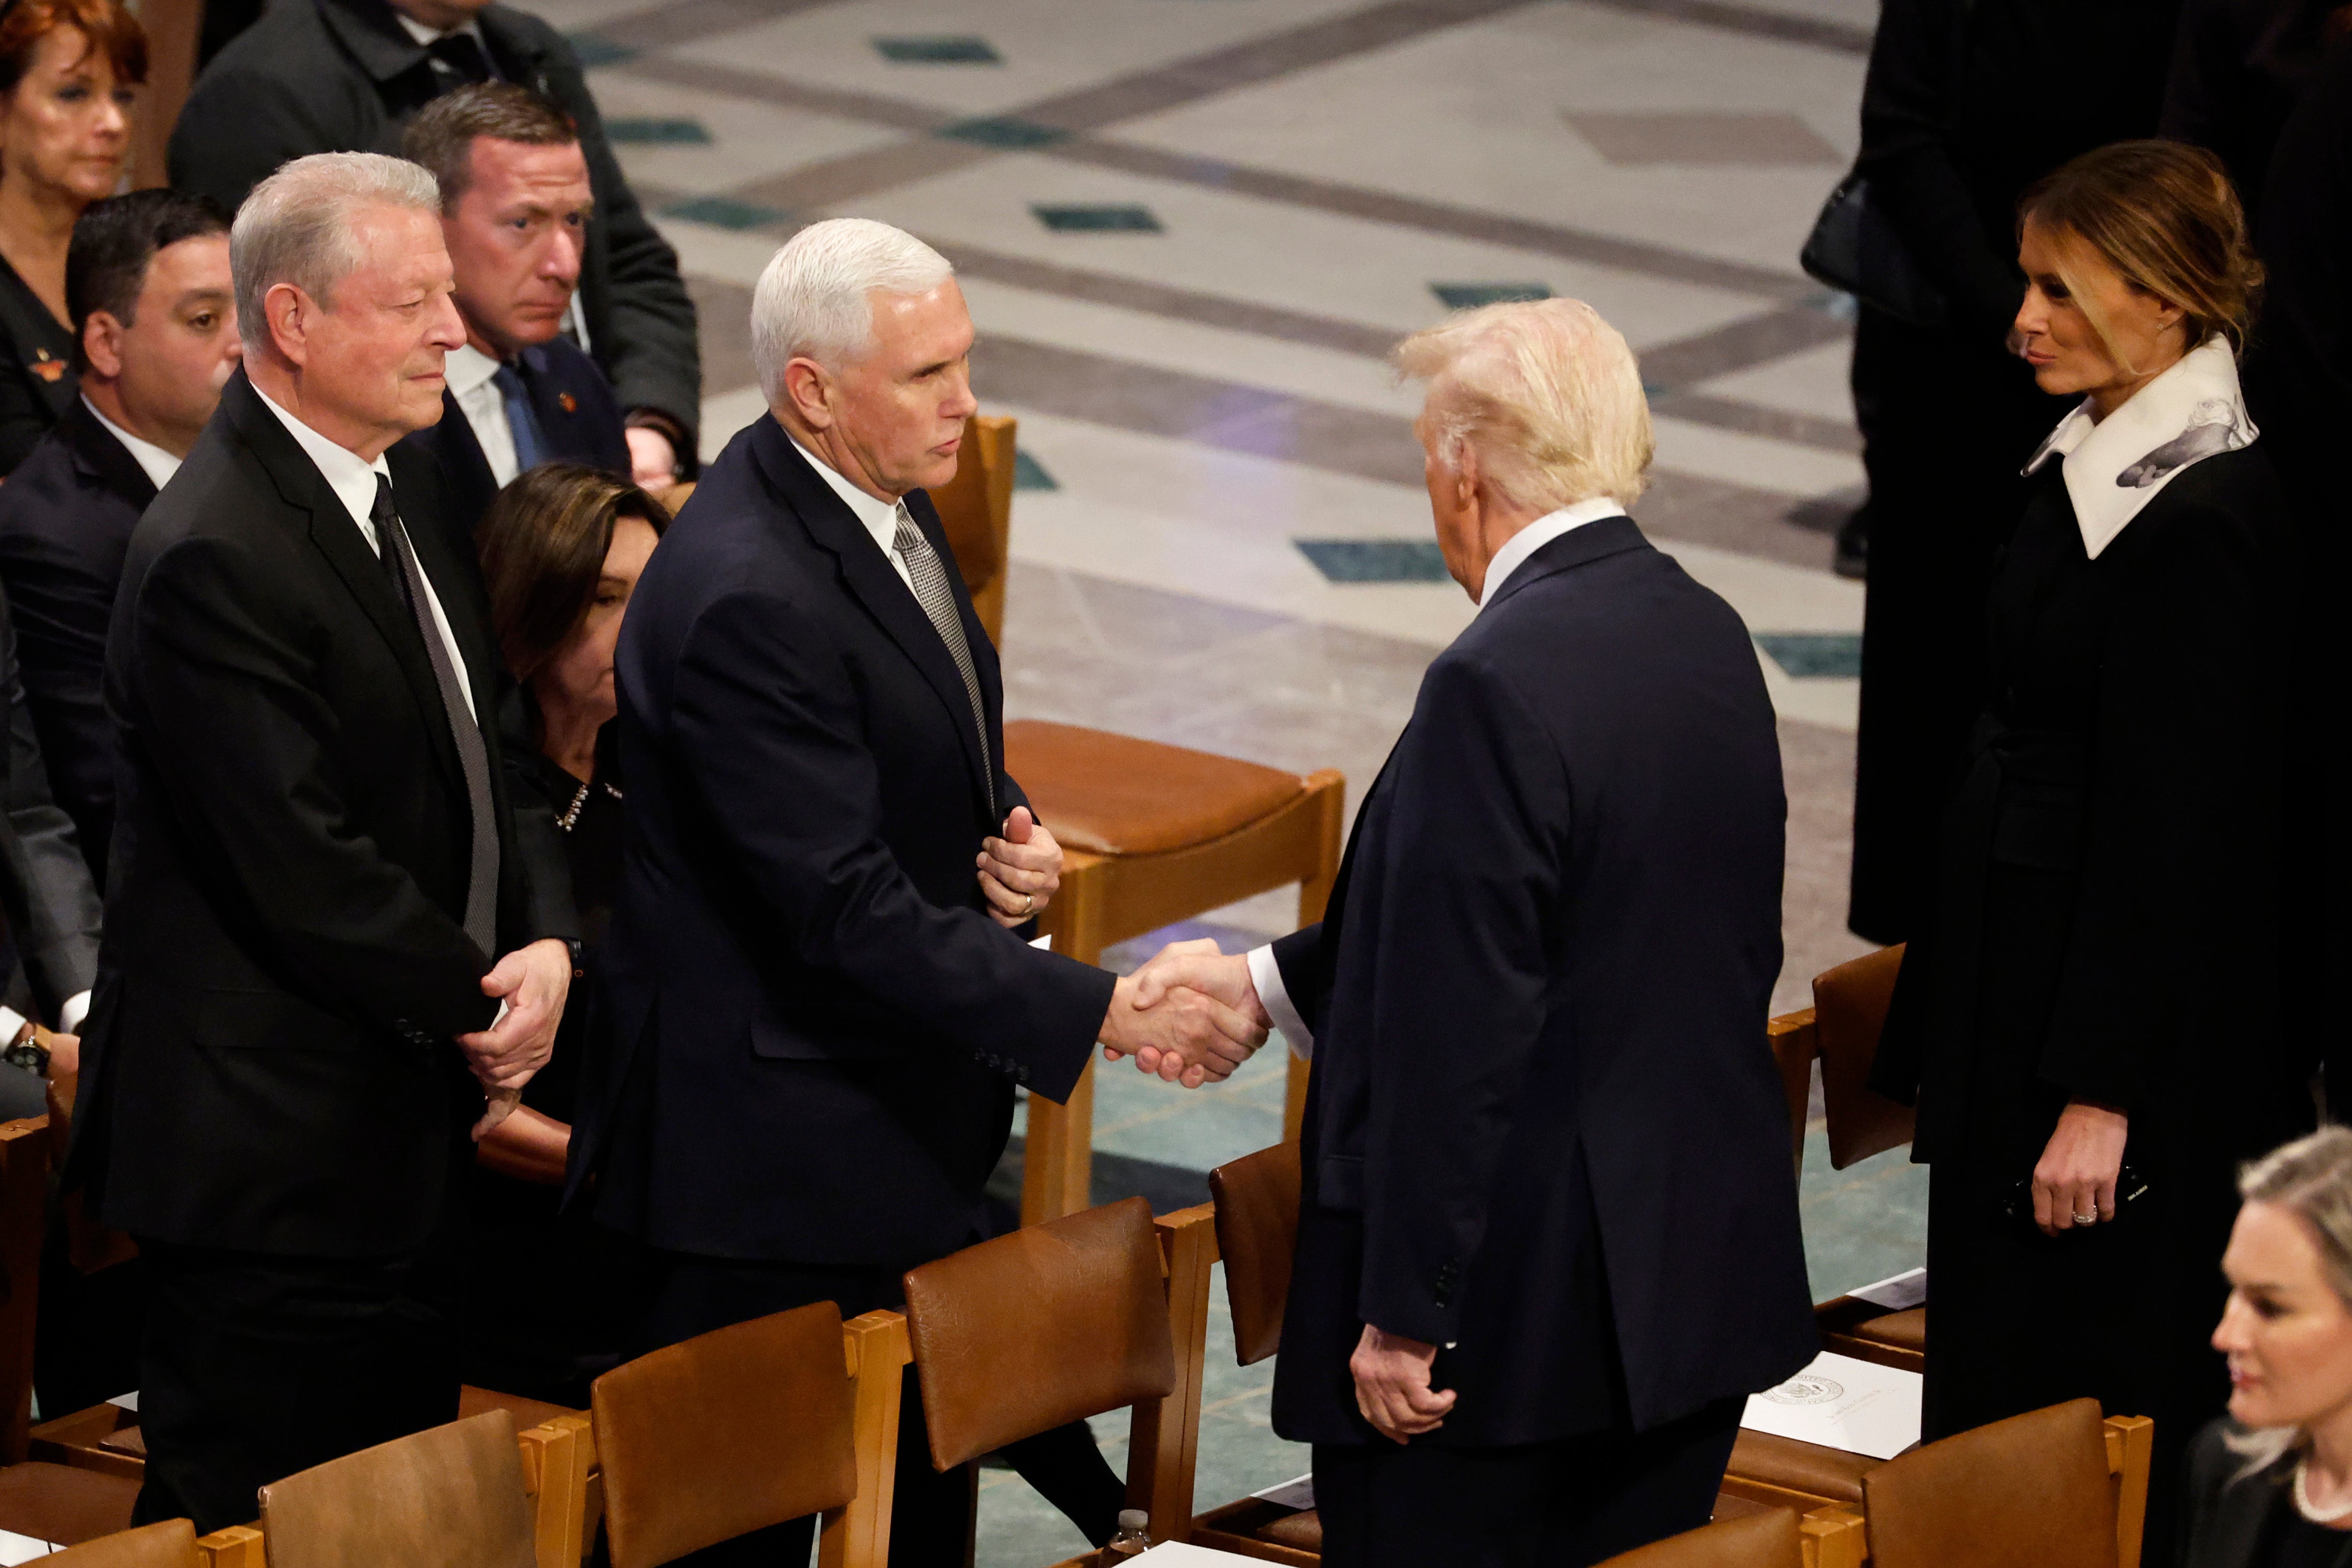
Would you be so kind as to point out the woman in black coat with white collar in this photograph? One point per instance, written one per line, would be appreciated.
(2270, 1486)
(2089, 1024)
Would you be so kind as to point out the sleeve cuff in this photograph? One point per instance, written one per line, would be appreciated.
(1275, 997)
(11, 1023)
(69, 1016)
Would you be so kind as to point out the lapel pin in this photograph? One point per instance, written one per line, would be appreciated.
(567, 403)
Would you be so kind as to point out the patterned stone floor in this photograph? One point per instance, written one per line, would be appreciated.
(1190, 231)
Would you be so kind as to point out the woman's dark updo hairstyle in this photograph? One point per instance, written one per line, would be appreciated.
(2165, 216)
(543, 543)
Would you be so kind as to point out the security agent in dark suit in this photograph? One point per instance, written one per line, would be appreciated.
(1548, 1240)
(516, 206)
(326, 76)
(322, 950)
(147, 282)
(817, 1004)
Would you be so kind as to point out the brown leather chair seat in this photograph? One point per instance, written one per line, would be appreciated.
(2033, 1489)
(1766, 1539)
(1902, 1331)
(1801, 1466)
(64, 1504)
(1116, 795)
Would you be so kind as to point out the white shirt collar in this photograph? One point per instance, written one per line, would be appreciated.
(157, 463)
(426, 36)
(466, 368)
(2115, 466)
(349, 475)
(1540, 533)
(879, 518)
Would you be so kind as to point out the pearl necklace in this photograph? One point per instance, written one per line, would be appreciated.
(2303, 1505)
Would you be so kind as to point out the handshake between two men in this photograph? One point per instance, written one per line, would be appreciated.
(1190, 1015)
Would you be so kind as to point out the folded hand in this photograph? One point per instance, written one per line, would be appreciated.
(534, 982)
(1020, 872)
(1393, 1391)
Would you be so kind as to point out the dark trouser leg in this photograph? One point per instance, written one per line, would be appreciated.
(1068, 1470)
(930, 1513)
(1561, 1504)
(254, 1368)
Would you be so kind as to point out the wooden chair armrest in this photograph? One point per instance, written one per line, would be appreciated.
(238, 1546)
(2131, 1444)
(555, 1459)
(874, 1350)
(1834, 1538)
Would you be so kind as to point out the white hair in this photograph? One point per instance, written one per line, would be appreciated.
(1549, 394)
(814, 301)
(297, 226)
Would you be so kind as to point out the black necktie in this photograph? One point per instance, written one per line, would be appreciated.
(457, 59)
(473, 756)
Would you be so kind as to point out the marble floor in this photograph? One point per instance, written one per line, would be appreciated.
(1190, 232)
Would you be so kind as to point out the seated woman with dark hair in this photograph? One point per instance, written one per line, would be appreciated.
(561, 548)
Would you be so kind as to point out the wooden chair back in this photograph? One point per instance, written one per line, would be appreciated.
(1849, 1005)
(1767, 1540)
(975, 507)
(1050, 1325)
(450, 1497)
(173, 28)
(171, 1544)
(1257, 1202)
(1794, 1043)
(2033, 1489)
(729, 1432)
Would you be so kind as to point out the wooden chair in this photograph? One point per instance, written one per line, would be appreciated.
(1066, 1319)
(1152, 833)
(171, 1544)
(2033, 1489)
(753, 1424)
(1768, 1539)
(449, 1497)
(1256, 1209)
(174, 29)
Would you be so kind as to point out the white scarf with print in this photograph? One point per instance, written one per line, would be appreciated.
(2115, 466)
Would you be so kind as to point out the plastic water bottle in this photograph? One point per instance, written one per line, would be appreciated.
(1131, 1541)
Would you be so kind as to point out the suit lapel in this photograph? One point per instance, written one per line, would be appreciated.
(875, 583)
(471, 484)
(1580, 545)
(337, 537)
(419, 497)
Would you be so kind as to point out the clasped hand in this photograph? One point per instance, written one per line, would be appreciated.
(533, 982)
(1186, 1016)
(2074, 1180)
(1020, 872)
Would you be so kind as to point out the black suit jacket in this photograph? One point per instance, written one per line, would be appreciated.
(269, 1065)
(66, 519)
(2230, 1513)
(339, 76)
(45, 888)
(576, 413)
(1545, 1130)
(814, 1030)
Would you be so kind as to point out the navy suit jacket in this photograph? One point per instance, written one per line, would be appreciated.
(1545, 1130)
(66, 519)
(813, 1029)
(576, 410)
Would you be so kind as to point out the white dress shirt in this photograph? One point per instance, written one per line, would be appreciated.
(1265, 973)
(484, 406)
(426, 36)
(880, 518)
(352, 479)
(158, 464)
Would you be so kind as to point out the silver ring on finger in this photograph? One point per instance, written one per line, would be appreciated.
(1028, 904)
(2086, 1219)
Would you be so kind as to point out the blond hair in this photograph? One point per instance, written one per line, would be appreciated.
(1549, 394)
(2311, 1178)
(2164, 217)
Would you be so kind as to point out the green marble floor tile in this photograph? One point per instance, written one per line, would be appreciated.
(1862, 1223)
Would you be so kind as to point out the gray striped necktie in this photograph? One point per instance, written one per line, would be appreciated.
(931, 591)
(473, 756)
